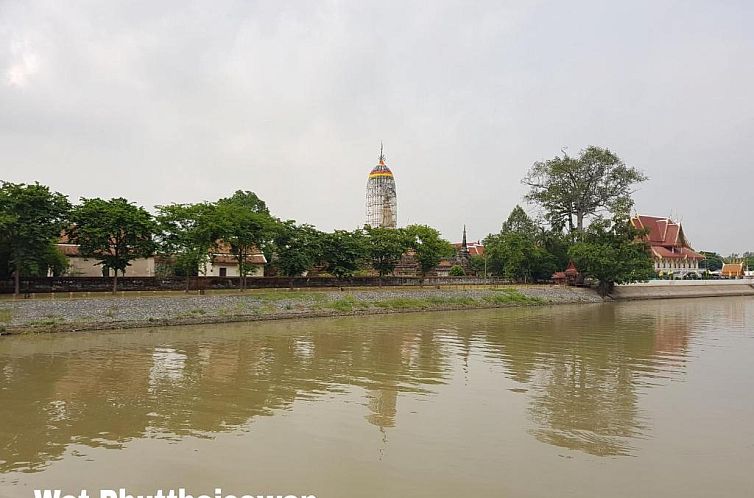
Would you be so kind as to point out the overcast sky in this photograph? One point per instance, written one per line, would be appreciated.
(186, 101)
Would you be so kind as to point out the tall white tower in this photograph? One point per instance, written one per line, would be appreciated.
(382, 203)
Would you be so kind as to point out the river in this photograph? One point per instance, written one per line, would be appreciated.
(652, 398)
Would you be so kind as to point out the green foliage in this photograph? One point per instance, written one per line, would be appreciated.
(343, 252)
(113, 232)
(187, 232)
(53, 261)
(345, 304)
(612, 253)
(457, 271)
(385, 248)
(243, 222)
(296, 248)
(428, 246)
(518, 252)
(711, 262)
(571, 188)
(520, 222)
(31, 220)
(510, 296)
(478, 264)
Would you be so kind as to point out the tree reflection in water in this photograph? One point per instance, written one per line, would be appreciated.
(583, 368)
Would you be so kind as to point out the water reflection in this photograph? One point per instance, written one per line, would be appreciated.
(583, 371)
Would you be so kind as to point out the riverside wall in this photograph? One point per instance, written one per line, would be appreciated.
(668, 289)
(105, 284)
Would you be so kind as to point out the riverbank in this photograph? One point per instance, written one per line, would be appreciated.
(100, 313)
(679, 289)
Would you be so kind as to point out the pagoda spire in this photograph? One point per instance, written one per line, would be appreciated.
(464, 245)
(382, 156)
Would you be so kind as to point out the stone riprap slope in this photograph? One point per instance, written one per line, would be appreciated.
(103, 312)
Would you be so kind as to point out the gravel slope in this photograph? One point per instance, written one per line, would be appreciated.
(46, 314)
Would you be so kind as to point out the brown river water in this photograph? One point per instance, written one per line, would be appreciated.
(650, 398)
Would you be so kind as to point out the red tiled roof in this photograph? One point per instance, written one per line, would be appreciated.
(475, 248)
(68, 249)
(665, 237)
(662, 231)
(571, 269)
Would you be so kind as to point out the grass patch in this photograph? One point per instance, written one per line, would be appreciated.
(510, 296)
(345, 304)
(402, 303)
(46, 322)
(272, 296)
(5, 316)
(452, 301)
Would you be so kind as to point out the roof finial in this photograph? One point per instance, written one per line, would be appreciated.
(382, 156)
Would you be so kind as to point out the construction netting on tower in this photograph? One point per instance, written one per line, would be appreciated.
(382, 203)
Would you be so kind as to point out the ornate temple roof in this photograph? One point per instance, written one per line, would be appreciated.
(381, 170)
(666, 237)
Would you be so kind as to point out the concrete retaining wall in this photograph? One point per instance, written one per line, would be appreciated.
(667, 289)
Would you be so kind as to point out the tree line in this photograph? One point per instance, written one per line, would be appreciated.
(115, 232)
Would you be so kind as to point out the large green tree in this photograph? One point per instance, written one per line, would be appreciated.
(612, 252)
(344, 252)
(520, 222)
(569, 189)
(518, 252)
(429, 248)
(244, 224)
(386, 246)
(114, 232)
(187, 232)
(296, 249)
(31, 220)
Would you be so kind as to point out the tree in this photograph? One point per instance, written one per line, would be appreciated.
(571, 188)
(428, 246)
(113, 232)
(244, 223)
(296, 248)
(520, 222)
(187, 232)
(31, 221)
(478, 263)
(344, 252)
(518, 252)
(386, 246)
(612, 253)
(518, 257)
(457, 271)
(711, 262)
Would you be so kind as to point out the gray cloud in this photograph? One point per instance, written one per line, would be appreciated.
(184, 101)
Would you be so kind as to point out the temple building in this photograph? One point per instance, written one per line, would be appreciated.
(382, 203)
(671, 251)
(733, 270)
